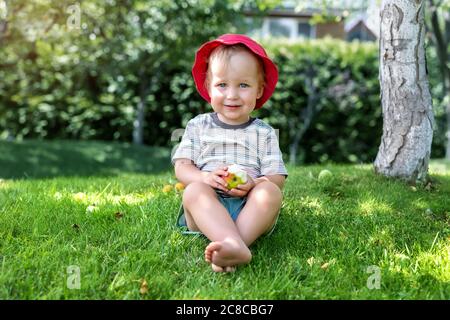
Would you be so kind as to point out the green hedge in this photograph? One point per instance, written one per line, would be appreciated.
(346, 125)
(51, 95)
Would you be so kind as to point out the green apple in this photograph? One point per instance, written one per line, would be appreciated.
(325, 175)
(236, 176)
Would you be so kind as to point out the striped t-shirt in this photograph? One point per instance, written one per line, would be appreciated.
(210, 144)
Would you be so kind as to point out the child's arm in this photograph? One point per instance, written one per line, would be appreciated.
(243, 190)
(186, 172)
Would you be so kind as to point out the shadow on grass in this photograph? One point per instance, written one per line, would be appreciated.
(47, 159)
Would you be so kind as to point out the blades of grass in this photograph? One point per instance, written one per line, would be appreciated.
(407, 249)
(434, 241)
(416, 265)
(3, 263)
(104, 189)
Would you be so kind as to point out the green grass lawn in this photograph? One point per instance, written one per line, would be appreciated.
(98, 208)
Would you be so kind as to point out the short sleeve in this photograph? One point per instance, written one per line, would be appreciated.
(189, 147)
(271, 157)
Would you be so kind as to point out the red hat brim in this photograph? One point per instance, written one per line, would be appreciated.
(201, 65)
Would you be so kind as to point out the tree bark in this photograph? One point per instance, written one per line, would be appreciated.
(408, 118)
(447, 134)
(139, 121)
(306, 114)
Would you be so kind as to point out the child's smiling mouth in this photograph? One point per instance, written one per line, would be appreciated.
(232, 106)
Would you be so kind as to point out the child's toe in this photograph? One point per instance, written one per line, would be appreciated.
(230, 269)
(217, 268)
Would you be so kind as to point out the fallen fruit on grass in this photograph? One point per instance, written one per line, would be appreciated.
(325, 175)
(325, 266)
(179, 186)
(144, 287)
(236, 176)
(91, 209)
(167, 188)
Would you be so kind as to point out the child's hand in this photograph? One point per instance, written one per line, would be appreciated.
(215, 180)
(243, 189)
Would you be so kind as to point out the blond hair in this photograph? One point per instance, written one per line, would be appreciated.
(223, 53)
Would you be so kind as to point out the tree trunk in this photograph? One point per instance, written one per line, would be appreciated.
(408, 118)
(306, 114)
(139, 121)
(447, 134)
(138, 124)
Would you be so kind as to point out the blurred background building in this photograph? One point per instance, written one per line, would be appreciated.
(309, 20)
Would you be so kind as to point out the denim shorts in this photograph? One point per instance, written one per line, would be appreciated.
(233, 206)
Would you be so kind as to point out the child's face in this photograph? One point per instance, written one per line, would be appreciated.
(235, 87)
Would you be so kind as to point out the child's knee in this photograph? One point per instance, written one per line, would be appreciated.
(194, 190)
(268, 191)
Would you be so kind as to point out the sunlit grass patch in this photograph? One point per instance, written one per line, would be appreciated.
(373, 206)
(100, 198)
(441, 167)
(4, 184)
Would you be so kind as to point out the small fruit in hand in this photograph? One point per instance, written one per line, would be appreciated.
(179, 186)
(236, 176)
(325, 175)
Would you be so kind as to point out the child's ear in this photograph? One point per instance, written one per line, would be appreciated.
(260, 91)
(207, 86)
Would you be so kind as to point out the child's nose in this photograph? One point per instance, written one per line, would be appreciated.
(232, 93)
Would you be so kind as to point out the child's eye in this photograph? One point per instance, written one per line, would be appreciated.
(221, 85)
(244, 85)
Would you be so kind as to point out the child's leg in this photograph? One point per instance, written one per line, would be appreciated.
(260, 212)
(205, 212)
(257, 217)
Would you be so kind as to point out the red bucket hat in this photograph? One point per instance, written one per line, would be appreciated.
(201, 57)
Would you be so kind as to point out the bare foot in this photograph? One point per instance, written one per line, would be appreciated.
(222, 269)
(227, 253)
(216, 268)
(208, 254)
